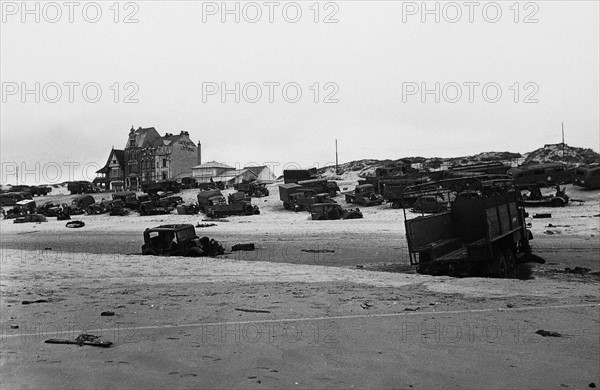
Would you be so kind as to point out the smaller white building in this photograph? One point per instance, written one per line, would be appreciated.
(203, 173)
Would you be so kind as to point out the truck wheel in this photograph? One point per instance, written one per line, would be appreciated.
(500, 264)
(511, 261)
(332, 193)
(396, 205)
(286, 206)
(194, 252)
(557, 202)
(149, 252)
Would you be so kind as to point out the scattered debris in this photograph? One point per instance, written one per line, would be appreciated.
(251, 310)
(592, 385)
(205, 225)
(550, 232)
(546, 333)
(360, 266)
(14, 326)
(37, 218)
(38, 301)
(243, 247)
(411, 308)
(215, 220)
(83, 339)
(107, 313)
(75, 224)
(320, 251)
(542, 215)
(577, 270)
(366, 305)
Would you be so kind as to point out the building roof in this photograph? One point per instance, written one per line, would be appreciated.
(256, 170)
(144, 137)
(212, 164)
(119, 155)
(232, 174)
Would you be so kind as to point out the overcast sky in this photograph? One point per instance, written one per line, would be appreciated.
(361, 78)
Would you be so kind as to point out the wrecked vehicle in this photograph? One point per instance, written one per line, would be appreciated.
(302, 202)
(31, 218)
(188, 209)
(327, 211)
(21, 208)
(40, 190)
(11, 198)
(81, 187)
(209, 198)
(430, 204)
(320, 186)
(544, 175)
(588, 177)
(83, 201)
(363, 195)
(252, 188)
(150, 208)
(290, 192)
(238, 207)
(104, 206)
(296, 175)
(129, 199)
(536, 199)
(153, 189)
(178, 240)
(49, 209)
(484, 233)
(239, 196)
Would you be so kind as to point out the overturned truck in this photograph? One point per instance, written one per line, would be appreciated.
(483, 233)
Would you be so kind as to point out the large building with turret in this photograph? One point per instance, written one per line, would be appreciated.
(149, 157)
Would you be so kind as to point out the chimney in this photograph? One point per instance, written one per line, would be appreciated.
(199, 153)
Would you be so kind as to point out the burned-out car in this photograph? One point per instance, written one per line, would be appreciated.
(178, 240)
(325, 211)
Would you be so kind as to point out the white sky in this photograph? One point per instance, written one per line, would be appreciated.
(370, 53)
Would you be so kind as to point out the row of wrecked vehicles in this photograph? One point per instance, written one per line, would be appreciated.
(303, 191)
(482, 233)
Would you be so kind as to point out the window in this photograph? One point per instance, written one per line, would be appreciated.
(164, 175)
(164, 162)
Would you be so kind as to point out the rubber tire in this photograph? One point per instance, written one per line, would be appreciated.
(501, 269)
(511, 261)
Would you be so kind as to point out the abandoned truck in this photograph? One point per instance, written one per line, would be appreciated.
(128, 198)
(209, 198)
(296, 175)
(588, 177)
(483, 233)
(252, 188)
(178, 240)
(288, 193)
(81, 187)
(304, 202)
(320, 186)
(363, 195)
(153, 189)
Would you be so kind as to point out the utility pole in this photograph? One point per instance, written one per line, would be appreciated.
(336, 158)
(562, 125)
